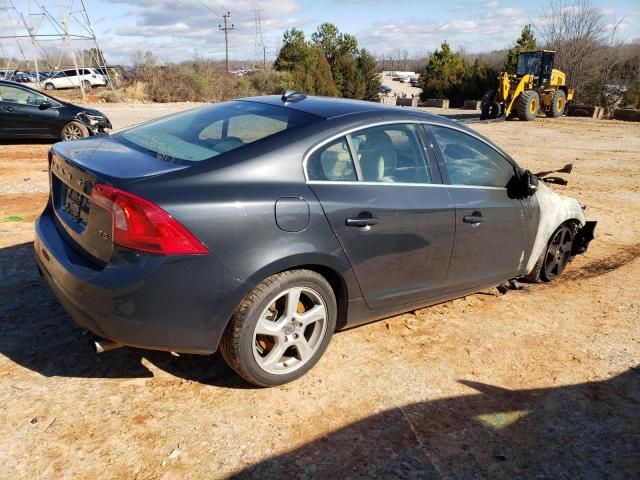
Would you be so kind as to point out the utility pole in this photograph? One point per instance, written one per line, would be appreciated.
(226, 29)
(264, 58)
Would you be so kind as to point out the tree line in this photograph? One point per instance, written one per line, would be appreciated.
(602, 71)
(329, 64)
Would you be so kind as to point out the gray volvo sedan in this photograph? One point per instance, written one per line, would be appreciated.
(261, 226)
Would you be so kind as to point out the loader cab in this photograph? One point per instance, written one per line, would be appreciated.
(538, 63)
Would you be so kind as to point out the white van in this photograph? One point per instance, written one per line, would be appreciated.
(70, 79)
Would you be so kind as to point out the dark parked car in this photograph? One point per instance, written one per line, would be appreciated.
(28, 113)
(260, 226)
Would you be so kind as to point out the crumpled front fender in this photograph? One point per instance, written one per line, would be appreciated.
(554, 211)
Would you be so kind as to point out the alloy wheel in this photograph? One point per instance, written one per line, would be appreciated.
(72, 132)
(290, 330)
(558, 253)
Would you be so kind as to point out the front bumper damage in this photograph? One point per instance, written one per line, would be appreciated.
(583, 237)
(95, 123)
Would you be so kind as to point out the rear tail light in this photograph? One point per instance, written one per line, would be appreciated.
(139, 224)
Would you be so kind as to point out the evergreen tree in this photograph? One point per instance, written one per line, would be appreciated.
(526, 41)
(330, 64)
(481, 79)
(347, 76)
(444, 75)
(369, 70)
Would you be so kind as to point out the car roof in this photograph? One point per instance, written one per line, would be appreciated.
(330, 107)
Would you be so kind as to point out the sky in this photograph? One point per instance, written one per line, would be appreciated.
(176, 30)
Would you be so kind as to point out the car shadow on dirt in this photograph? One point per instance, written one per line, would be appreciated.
(589, 430)
(36, 333)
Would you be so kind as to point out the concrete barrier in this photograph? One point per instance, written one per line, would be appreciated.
(385, 100)
(626, 114)
(407, 101)
(436, 102)
(472, 105)
(585, 111)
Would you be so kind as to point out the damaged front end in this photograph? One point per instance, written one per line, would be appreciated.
(583, 237)
(585, 231)
(96, 122)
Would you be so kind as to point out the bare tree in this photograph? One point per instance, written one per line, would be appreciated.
(577, 32)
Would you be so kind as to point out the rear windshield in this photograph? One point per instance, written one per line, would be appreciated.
(205, 133)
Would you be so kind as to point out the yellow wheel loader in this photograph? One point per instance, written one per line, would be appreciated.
(536, 86)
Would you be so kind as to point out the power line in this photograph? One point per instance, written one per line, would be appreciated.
(226, 29)
(209, 8)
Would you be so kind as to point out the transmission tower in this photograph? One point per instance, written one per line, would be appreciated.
(259, 40)
(61, 29)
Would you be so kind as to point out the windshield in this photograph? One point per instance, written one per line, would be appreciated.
(207, 132)
(529, 63)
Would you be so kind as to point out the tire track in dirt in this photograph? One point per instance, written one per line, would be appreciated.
(605, 265)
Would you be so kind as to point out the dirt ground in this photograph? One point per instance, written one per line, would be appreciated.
(542, 382)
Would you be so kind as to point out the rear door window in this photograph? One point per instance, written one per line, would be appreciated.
(391, 154)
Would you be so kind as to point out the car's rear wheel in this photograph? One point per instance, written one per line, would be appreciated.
(49, 86)
(74, 131)
(281, 329)
(86, 84)
(555, 257)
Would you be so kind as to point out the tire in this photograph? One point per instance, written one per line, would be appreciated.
(49, 86)
(558, 104)
(487, 98)
(86, 84)
(263, 340)
(555, 257)
(528, 105)
(74, 131)
(490, 110)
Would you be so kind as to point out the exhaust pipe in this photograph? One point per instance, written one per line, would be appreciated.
(102, 345)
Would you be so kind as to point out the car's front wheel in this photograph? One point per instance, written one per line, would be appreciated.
(555, 257)
(49, 86)
(74, 131)
(281, 329)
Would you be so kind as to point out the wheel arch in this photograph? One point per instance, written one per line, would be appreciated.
(338, 275)
(555, 210)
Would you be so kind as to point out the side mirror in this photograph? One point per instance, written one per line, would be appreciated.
(523, 184)
(532, 182)
(44, 105)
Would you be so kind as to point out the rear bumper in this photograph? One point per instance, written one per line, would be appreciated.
(173, 303)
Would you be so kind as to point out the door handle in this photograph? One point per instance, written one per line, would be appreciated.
(362, 220)
(475, 217)
(9, 109)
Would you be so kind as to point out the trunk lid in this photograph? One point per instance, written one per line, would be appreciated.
(74, 168)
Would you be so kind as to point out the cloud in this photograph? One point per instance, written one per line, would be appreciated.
(493, 4)
(177, 30)
(479, 34)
